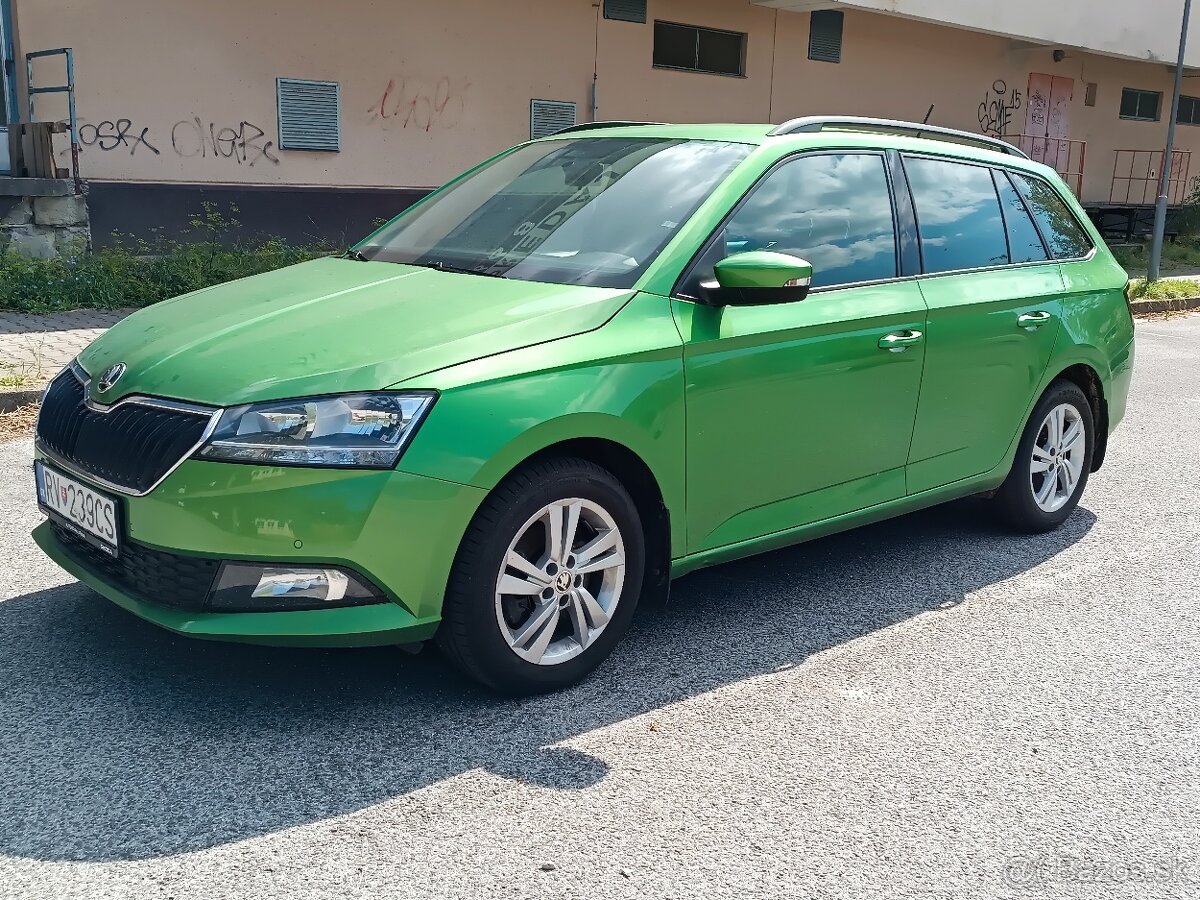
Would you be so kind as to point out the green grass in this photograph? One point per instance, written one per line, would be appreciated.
(136, 274)
(1181, 254)
(116, 278)
(1164, 289)
(17, 375)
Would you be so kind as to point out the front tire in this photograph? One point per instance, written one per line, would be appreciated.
(1052, 463)
(546, 578)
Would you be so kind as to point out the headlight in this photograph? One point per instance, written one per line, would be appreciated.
(362, 430)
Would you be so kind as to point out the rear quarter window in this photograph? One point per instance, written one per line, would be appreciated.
(1024, 242)
(1062, 231)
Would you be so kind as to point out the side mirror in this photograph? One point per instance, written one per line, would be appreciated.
(758, 278)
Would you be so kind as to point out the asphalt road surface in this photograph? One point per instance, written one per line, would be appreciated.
(929, 707)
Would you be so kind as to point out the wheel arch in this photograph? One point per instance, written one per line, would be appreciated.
(1088, 380)
(643, 486)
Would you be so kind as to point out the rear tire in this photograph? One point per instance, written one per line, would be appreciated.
(1052, 463)
(546, 578)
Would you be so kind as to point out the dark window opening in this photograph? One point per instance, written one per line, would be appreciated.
(699, 49)
(1189, 111)
(1141, 105)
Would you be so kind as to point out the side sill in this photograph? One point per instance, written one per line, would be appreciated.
(959, 489)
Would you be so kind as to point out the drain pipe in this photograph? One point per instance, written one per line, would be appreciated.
(596, 70)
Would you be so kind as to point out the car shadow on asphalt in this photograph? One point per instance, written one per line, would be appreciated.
(119, 741)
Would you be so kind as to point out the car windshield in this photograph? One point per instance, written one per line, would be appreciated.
(592, 211)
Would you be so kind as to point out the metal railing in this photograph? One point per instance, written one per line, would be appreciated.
(69, 90)
(1136, 175)
(1065, 156)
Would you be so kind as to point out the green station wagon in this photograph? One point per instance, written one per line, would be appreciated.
(590, 365)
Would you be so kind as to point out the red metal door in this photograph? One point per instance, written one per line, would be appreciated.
(1048, 119)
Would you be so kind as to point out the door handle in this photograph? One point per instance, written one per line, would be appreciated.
(1030, 321)
(899, 341)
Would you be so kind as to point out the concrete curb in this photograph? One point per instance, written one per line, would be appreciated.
(11, 400)
(1144, 307)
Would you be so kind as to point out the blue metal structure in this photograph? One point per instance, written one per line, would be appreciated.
(8, 80)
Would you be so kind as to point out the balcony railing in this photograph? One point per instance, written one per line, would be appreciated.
(1136, 175)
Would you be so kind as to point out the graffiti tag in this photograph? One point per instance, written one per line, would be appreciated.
(246, 143)
(415, 104)
(112, 135)
(997, 107)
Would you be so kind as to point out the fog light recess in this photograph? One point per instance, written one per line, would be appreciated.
(245, 587)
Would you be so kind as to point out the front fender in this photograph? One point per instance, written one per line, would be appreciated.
(621, 383)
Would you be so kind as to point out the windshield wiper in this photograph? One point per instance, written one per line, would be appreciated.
(356, 255)
(457, 270)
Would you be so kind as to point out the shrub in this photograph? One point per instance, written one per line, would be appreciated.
(1166, 289)
(136, 274)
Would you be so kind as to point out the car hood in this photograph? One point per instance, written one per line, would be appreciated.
(331, 326)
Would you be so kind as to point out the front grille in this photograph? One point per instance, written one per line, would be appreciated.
(132, 445)
(164, 579)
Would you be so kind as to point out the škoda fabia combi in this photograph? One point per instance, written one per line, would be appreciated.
(593, 363)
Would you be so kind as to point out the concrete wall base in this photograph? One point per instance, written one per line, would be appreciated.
(44, 227)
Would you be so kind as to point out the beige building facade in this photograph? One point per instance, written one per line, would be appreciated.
(177, 101)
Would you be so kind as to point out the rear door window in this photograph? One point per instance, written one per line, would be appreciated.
(1062, 230)
(958, 215)
(1024, 242)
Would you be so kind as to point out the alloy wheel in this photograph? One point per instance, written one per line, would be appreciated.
(560, 581)
(1058, 456)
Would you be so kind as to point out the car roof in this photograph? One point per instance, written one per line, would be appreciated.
(848, 137)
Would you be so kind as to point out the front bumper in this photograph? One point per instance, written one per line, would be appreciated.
(399, 530)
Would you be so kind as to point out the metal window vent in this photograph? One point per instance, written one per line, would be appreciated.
(825, 35)
(548, 116)
(626, 10)
(309, 114)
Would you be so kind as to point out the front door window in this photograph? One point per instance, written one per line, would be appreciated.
(832, 209)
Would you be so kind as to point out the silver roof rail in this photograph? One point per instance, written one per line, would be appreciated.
(615, 123)
(806, 124)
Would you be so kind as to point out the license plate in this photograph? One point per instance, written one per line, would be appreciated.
(89, 513)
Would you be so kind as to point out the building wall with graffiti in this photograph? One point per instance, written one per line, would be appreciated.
(179, 94)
